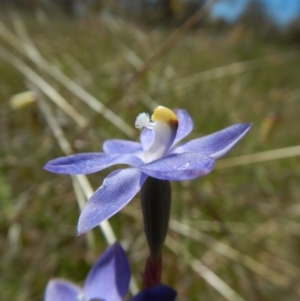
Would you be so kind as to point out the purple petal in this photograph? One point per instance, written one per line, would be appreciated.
(61, 290)
(109, 277)
(146, 137)
(156, 293)
(179, 167)
(185, 124)
(116, 146)
(117, 190)
(86, 163)
(217, 144)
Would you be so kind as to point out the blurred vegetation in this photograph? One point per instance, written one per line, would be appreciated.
(239, 225)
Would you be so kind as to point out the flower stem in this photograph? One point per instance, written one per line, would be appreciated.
(152, 273)
(156, 205)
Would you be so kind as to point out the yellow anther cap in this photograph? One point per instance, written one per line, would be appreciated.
(163, 114)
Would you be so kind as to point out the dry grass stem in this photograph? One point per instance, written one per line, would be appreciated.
(38, 81)
(26, 46)
(276, 154)
(203, 271)
(233, 254)
(236, 68)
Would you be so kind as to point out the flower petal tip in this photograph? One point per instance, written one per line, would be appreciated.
(83, 228)
(247, 125)
(47, 167)
(86, 222)
(79, 234)
(244, 129)
(53, 168)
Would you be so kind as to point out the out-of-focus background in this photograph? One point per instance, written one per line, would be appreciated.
(74, 73)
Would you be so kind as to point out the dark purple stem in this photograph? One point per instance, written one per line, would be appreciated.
(152, 273)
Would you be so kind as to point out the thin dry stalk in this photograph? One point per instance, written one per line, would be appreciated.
(168, 45)
(203, 271)
(276, 154)
(81, 179)
(236, 68)
(26, 47)
(43, 86)
(233, 254)
(260, 231)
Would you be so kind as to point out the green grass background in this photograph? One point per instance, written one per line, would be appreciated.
(252, 210)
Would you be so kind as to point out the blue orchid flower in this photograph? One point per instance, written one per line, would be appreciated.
(108, 280)
(157, 156)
